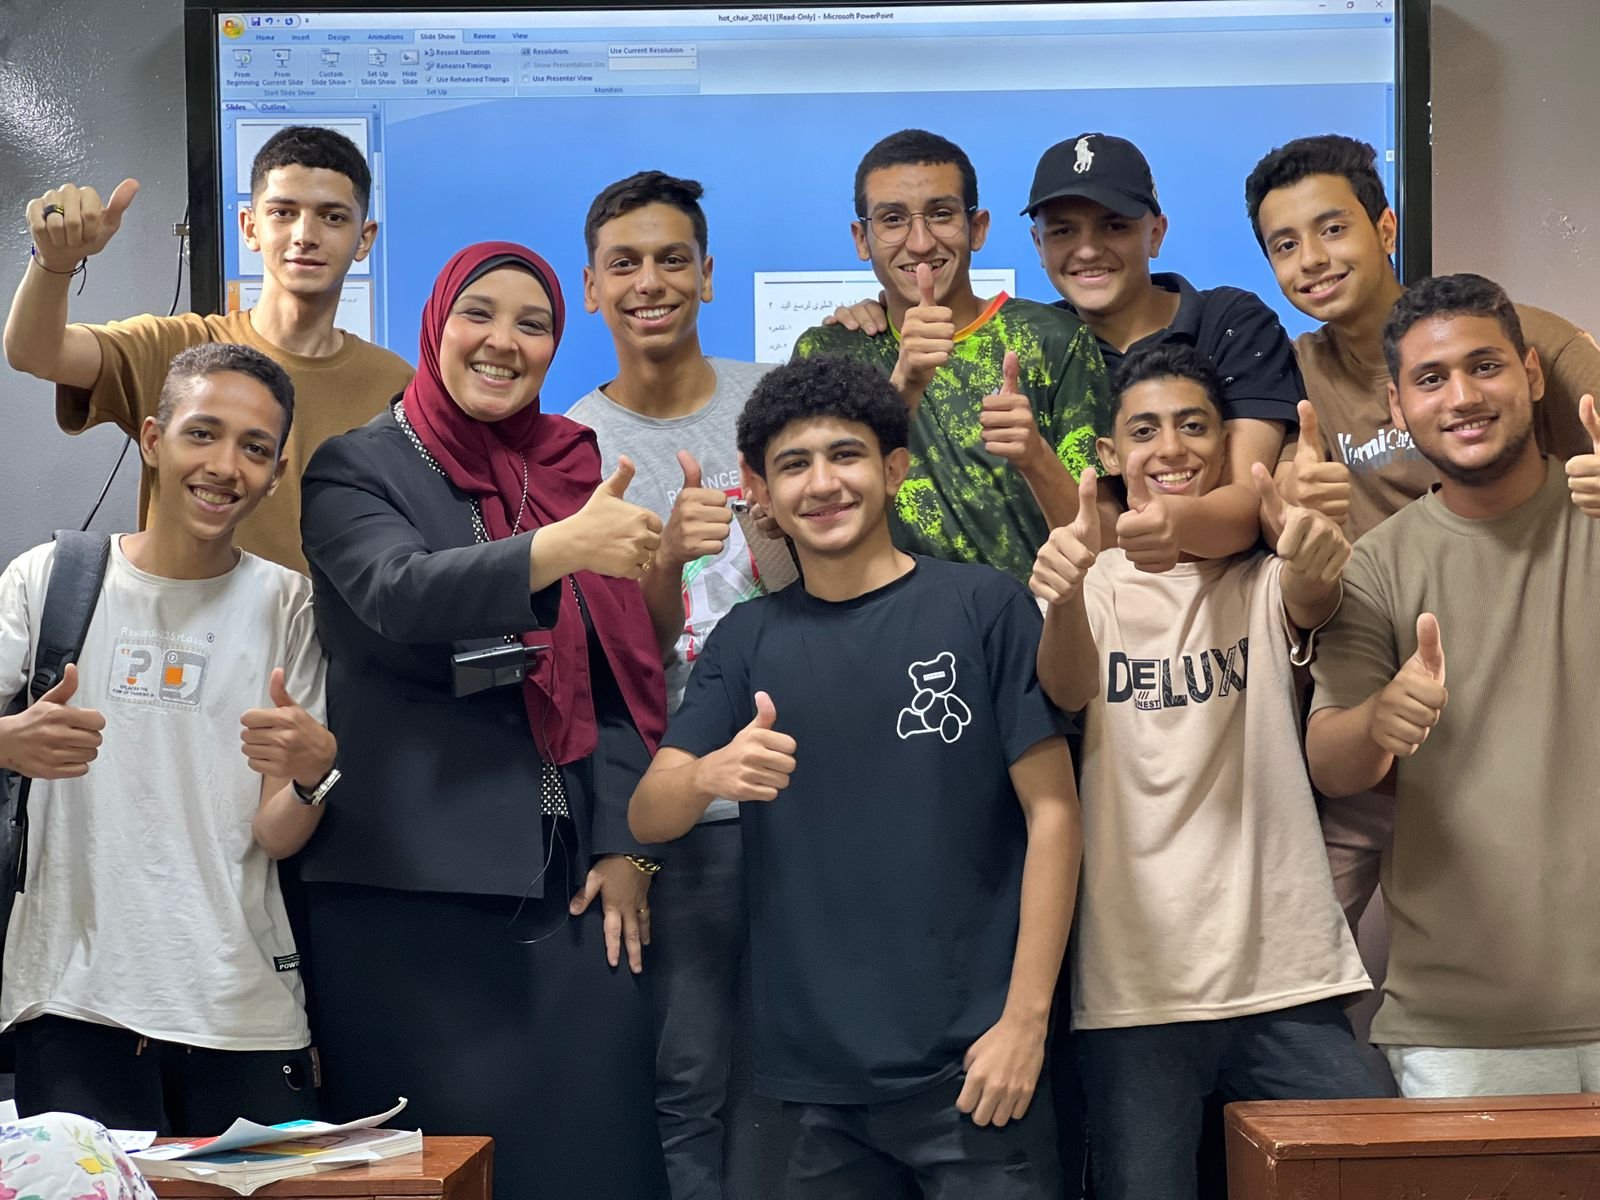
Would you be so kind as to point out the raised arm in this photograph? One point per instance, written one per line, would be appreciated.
(1227, 519)
(68, 225)
(698, 525)
(1069, 662)
(383, 568)
(1011, 431)
(674, 793)
(1314, 551)
(1350, 750)
(289, 748)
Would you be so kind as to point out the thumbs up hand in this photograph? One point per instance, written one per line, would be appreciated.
(1583, 471)
(1410, 706)
(699, 522)
(1147, 532)
(285, 741)
(1070, 551)
(757, 764)
(608, 535)
(1311, 544)
(927, 339)
(50, 739)
(1010, 430)
(1308, 480)
(69, 223)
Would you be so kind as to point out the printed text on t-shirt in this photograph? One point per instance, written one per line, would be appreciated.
(1148, 682)
(1381, 449)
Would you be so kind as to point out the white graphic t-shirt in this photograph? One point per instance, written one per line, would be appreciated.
(149, 905)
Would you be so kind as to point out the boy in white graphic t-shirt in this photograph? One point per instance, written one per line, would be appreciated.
(1210, 954)
(149, 970)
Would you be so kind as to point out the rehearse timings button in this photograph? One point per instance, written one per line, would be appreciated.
(652, 57)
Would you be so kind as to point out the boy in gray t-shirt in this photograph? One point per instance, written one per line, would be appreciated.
(672, 411)
(661, 448)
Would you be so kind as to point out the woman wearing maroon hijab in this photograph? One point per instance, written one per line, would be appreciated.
(477, 906)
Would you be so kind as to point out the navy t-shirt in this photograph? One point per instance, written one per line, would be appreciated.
(1244, 340)
(885, 881)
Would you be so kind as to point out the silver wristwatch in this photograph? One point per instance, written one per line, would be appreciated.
(316, 795)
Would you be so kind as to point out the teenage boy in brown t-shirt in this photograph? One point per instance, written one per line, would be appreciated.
(1318, 209)
(1491, 984)
(308, 220)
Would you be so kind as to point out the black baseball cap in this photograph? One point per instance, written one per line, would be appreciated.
(1108, 170)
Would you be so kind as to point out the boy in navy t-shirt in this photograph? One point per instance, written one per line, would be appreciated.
(911, 830)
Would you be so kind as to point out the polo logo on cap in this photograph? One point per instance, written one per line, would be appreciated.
(1085, 156)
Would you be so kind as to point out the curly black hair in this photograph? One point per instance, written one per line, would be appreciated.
(1324, 154)
(823, 386)
(1450, 296)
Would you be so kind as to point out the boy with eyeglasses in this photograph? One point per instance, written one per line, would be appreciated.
(1006, 396)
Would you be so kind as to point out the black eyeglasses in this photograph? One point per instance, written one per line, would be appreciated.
(893, 227)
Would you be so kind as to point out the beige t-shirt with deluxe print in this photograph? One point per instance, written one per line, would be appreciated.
(1206, 892)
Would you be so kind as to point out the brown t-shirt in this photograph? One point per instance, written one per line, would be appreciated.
(332, 395)
(1206, 892)
(1351, 397)
(1490, 884)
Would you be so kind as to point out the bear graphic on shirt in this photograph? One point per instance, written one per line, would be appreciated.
(934, 707)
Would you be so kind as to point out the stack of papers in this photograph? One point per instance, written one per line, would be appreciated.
(249, 1156)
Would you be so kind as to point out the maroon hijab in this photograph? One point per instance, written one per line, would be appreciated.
(486, 460)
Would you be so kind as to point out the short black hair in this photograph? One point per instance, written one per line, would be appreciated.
(916, 147)
(824, 386)
(214, 358)
(1324, 154)
(636, 191)
(1450, 296)
(1166, 360)
(317, 148)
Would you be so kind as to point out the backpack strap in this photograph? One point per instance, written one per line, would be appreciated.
(76, 576)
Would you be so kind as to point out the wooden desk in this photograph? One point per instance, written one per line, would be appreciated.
(1505, 1147)
(449, 1168)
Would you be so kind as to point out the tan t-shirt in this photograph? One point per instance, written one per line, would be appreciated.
(332, 395)
(1352, 402)
(1206, 891)
(1491, 886)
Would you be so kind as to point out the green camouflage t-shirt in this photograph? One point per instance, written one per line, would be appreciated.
(960, 502)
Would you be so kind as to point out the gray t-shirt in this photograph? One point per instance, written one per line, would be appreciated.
(714, 584)
(1490, 882)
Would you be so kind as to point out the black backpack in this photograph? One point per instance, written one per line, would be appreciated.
(76, 576)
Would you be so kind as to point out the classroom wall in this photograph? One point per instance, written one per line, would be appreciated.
(92, 90)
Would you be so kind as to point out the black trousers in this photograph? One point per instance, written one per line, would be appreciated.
(922, 1146)
(543, 1047)
(125, 1081)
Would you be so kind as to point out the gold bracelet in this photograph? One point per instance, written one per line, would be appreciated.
(650, 866)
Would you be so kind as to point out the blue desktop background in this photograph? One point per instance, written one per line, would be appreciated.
(778, 170)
